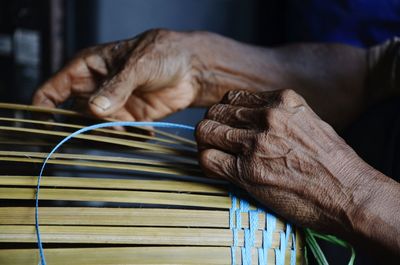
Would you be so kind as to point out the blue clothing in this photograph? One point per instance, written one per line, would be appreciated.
(360, 23)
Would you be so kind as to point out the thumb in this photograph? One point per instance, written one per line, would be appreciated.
(112, 95)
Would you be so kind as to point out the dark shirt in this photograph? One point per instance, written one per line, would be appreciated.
(357, 22)
(375, 136)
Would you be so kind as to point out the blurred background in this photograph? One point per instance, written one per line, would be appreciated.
(38, 37)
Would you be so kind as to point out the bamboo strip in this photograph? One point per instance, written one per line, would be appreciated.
(134, 256)
(124, 217)
(115, 217)
(25, 143)
(31, 108)
(130, 235)
(103, 139)
(76, 114)
(104, 183)
(105, 158)
(75, 126)
(141, 197)
(147, 169)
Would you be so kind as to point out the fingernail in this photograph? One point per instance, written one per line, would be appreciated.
(101, 102)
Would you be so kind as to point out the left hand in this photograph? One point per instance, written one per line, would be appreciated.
(274, 146)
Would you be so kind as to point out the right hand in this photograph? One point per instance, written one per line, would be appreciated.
(145, 78)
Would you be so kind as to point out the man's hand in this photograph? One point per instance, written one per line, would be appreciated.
(155, 74)
(144, 78)
(274, 146)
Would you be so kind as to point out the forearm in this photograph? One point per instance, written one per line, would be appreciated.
(331, 77)
(338, 81)
(224, 64)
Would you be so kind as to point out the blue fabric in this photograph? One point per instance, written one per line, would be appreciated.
(356, 22)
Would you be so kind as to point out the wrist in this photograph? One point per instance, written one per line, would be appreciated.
(375, 212)
(221, 64)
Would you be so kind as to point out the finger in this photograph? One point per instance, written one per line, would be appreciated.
(97, 64)
(212, 134)
(217, 164)
(53, 92)
(237, 117)
(157, 104)
(252, 99)
(77, 76)
(148, 106)
(112, 94)
(86, 77)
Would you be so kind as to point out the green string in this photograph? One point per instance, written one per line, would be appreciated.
(311, 242)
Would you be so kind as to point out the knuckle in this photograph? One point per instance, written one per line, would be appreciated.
(202, 128)
(270, 113)
(232, 96)
(272, 116)
(204, 158)
(267, 98)
(232, 136)
(215, 111)
(290, 98)
(258, 140)
(159, 31)
(157, 35)
(237, 141)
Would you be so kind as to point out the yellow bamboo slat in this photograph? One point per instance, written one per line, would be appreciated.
(25, 143)
(134, 256)
(105, 183)
(12, 106)
(107, 165)
(76, 126)
(117, 217)
(119, 196)
(98, 138)
(104, 158)
(124, 217)
(130, 235)
(30, 108)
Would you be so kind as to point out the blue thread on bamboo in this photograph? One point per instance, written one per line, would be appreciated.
(280, 252)
(293, 250)
(249, 235)
(89, 128)
(270, 225)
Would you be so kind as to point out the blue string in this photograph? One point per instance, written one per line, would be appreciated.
(235, 224)
(293, 250)
(89, 128)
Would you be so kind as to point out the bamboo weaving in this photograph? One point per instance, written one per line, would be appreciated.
(114, 197)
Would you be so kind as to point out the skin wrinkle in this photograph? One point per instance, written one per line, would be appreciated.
(287, 154)
(301, 193)
(237, 75)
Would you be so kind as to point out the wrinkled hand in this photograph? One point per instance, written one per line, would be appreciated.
(274, 146)
(144, 78)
